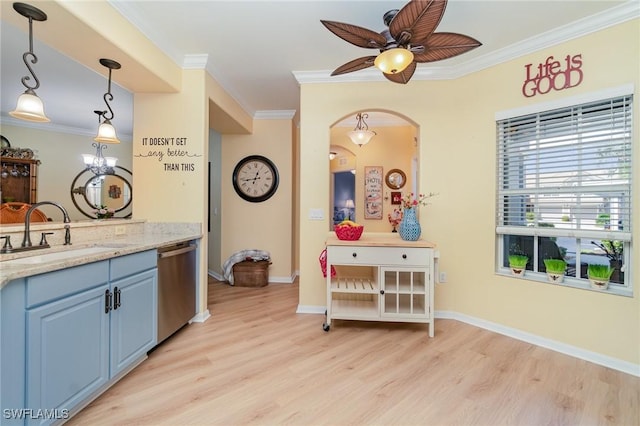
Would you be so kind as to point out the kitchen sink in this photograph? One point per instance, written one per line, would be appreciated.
(64, 255)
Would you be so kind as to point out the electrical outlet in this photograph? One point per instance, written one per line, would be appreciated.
(443, 277)
(121, 230)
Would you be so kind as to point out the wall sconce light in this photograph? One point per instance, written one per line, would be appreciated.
(332, 155)
(394, 60)
(99, 164)
(361, 135)
(29, 105)
(106, 131)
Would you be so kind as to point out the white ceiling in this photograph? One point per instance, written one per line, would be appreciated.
(260, 50)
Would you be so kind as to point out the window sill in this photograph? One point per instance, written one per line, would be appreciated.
(581, 284)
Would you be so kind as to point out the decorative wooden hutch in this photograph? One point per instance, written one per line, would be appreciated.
(19, 180)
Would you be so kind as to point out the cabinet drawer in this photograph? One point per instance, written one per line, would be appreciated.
(394, 256)
(133, 263)
(53, 285)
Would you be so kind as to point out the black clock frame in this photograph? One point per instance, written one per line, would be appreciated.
(266, 195)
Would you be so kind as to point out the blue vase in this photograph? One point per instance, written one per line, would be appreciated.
(410, 229)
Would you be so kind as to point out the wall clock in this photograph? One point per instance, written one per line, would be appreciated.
(255, 178)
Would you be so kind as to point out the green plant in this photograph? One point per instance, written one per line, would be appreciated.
(599, 272)
(555, 266)
(531, 216)
(518, 260)
(565, 218)
(603, 220)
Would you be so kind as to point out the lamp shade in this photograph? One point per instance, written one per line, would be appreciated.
(30, 108)
(393, 61)
(106, 133)
(361, 137)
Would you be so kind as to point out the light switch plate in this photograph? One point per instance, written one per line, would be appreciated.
(316, 214)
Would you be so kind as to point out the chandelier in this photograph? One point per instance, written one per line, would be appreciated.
(98, 163)
(361, 135)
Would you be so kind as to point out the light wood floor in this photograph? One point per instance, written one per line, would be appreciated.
(256, 362)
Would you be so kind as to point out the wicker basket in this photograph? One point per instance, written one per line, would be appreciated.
(350, 233)
(251, 274)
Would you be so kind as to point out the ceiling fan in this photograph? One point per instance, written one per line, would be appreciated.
(410, 39)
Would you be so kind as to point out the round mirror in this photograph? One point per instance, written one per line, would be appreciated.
(111, 191)
(395, 178)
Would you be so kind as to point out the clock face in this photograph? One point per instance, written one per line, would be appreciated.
(255, 178)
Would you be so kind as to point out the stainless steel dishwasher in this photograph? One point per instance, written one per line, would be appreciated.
(176, 287)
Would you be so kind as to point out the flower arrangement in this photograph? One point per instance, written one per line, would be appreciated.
(410, 200)
(102, 212)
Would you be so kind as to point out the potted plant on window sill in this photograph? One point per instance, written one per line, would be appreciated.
(599, 276)
(518, 264)
(555, 270)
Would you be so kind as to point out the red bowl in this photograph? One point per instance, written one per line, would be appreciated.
(350, 233)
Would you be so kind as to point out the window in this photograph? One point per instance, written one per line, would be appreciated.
(564, 189)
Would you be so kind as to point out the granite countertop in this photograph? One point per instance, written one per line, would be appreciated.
(18, 265)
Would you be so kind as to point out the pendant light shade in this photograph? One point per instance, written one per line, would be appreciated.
(29, 106)
(361, 135)
(106, 133)
(393, 61)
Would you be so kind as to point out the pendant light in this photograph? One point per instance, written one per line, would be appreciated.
(98, 163)
(29, 106)
(361, 135)
(106, 131)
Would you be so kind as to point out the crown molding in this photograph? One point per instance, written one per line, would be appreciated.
(195, 62)
(285, 114)
(7, 120)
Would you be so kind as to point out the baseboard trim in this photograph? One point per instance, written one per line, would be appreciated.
(201, 317)
(576, 352)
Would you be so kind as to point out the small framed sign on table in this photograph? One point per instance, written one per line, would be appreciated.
(373, 192)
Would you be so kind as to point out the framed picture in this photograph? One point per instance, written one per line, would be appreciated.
(373, 179)
(396, 198)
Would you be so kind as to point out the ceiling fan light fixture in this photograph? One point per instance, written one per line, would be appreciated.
(394, 60)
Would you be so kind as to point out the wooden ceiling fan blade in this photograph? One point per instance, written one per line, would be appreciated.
(356, 35)
(404, 76)
(417, 20)
(355, 65)
(441, 46)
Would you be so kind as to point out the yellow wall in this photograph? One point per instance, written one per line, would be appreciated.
(457, 137)
(266, 225)
(170, 153)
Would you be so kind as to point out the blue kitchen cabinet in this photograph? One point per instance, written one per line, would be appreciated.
(83, 328)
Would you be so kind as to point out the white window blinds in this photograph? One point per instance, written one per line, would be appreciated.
(569, 169)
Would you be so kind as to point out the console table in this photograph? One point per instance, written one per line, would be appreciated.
(380, 277)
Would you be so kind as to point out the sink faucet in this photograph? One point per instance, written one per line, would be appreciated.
(26, 241)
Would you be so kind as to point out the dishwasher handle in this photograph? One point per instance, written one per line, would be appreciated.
(171, 253)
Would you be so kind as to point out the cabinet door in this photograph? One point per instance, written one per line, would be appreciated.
(133, 318)
(404, 293)
(67, 350)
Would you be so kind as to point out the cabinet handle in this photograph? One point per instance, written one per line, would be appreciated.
(354, 254)
(381, 291)
(116, 298)
(107, 301)
(404, 256)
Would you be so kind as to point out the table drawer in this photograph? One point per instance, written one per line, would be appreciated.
(395, 256)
